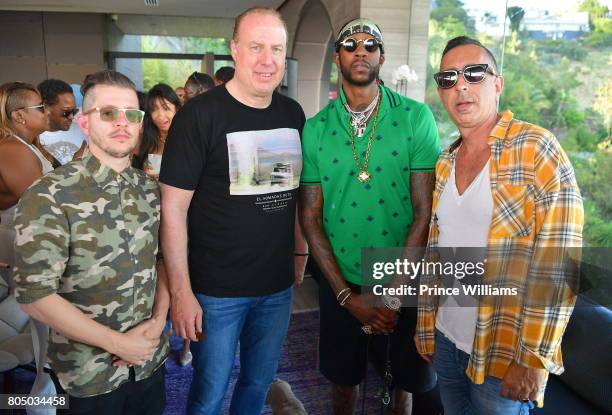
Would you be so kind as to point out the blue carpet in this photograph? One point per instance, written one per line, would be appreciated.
(297, 366)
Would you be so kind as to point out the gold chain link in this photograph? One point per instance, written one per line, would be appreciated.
(364, 167)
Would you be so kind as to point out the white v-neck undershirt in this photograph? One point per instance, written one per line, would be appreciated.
(463, 221)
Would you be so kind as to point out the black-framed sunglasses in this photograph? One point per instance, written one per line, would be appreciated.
(40, 107)
(472, 73)
(134, 116)
(351, 44)
(68, 113)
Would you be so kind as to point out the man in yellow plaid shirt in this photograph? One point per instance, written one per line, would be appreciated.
(506, 186)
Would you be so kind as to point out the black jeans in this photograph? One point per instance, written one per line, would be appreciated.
(146, 397)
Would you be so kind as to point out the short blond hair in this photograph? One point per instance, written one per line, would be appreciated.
(12, 98)
(270, 11)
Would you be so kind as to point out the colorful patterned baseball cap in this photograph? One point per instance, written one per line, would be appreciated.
(361, 25)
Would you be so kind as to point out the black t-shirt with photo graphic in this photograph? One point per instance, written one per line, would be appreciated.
(244, 166)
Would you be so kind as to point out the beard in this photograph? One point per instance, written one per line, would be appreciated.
(372, 75)
(107, 148)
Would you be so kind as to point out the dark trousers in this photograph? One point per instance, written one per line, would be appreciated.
(146, 397)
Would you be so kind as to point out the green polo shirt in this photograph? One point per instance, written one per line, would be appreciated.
(377, 213)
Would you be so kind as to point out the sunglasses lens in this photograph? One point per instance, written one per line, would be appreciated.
(134, 116)
(349, 45)
(474, 74)
(72, 112)
(370, 45)
(109, 114)
(446, 79)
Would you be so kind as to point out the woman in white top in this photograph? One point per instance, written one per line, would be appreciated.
(22, 120)
(161, 105)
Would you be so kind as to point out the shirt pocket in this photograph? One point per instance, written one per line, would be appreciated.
(513, 210)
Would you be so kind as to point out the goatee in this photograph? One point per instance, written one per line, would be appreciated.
(372, 75)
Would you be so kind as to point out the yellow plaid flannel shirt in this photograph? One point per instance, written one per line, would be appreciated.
(537, 212)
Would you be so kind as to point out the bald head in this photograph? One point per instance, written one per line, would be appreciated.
(257, 10)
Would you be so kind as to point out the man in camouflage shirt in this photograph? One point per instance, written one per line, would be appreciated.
(86, 245)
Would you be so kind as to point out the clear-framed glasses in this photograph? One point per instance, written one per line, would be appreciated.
(40, 107)
(134, 116)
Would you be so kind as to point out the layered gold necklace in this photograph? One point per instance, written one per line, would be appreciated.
(364, 175)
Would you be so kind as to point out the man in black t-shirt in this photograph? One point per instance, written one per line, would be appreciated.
(230, 172)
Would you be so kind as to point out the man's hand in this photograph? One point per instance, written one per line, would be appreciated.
(381, 319)
(186, 315)
(300, 268)
(157, 327)
(137, 345)
(522, 383)
(426, 357)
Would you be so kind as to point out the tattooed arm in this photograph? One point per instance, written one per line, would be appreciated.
(421, 190)
(310, 211)
(311, 214)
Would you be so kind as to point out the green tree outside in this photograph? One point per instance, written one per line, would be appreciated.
(176, 72)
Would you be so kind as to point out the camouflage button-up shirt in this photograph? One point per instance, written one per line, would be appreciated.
(90, 235)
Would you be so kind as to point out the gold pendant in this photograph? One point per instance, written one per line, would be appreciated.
(364, 176)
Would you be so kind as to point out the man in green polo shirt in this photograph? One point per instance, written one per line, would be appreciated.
(367, 180)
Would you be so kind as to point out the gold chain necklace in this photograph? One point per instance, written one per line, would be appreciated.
(364, 176)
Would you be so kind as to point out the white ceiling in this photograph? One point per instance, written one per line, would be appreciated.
(192, 8)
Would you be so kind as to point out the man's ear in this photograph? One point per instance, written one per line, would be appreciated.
(499, 85)
(382, 59)
(233, 49)
(83, 123)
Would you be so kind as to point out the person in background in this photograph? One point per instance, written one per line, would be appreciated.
(22, 120)
(61, 108)
(197, 84)
(180, 92)
(160, 106)
(60, 104)
(224, 74)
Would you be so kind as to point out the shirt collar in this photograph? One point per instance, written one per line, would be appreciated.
(106, 176)
(499, 132)
(387, 100)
